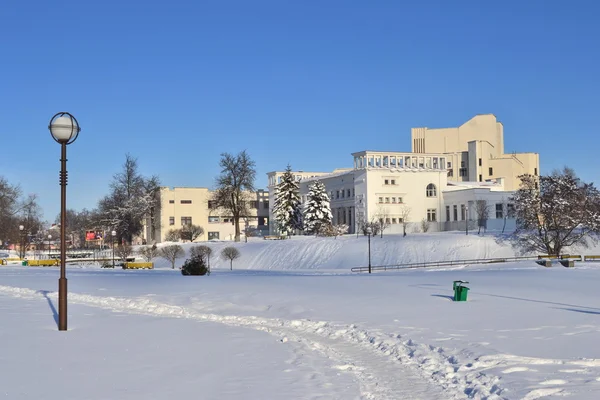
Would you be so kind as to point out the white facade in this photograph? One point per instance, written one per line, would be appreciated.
(434, 189)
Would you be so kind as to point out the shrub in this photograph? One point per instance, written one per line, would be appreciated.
(230, 253)
(194, 266)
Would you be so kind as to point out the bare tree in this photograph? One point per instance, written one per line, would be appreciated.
(382, 218)
(148, 252)
(171, 253)
(202, 251)
(230, 253)
(424, 225)
(483, 214)
(507, 212)
(191, 232)
(404, 218)
(173, 235)
(556, 211)
(132, 199)
(124, 251)
(233, 186)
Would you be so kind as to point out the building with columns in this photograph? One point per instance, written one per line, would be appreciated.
(438, 184)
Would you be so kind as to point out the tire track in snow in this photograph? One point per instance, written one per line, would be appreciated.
(385, 366)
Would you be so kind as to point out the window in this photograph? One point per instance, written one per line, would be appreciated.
(213, 235)
(381, 199)
(491, 171)
(462, 212)
(499, 211)
(431, 217)
(480, 178)
(266, 205)
(343, 192)
(171, 201)
(462, 164)
(186, 221)
(393, 182)
(449, 164)
(254, 204)
(447, 213)
(450, 172)
(462, 172)
(171, 220)
(455, 213)
(348, 193)
(400, 200)
(213, 219)
(431, 191)
(228, 220)
(393, 200)
(337, 194)
(386, 182)
(185, 201)
(394, 221)
(387, 199)
(480, 162)
(535, 171)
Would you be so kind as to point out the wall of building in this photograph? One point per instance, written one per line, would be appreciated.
(181, 205)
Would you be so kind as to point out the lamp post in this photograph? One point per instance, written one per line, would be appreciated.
(49, 237)
(369, 232)
(467, 219)
(64, 129)
(112, 242)
(21, 252)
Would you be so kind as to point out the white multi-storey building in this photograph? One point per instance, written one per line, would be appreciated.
(423, 188)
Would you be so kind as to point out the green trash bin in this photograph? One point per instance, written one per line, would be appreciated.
(24, 263)
(460, 292)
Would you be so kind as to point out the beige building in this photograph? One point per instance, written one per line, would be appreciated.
(475, 152)
(182, 206)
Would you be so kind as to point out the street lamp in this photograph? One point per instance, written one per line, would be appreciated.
(112, 242)
(49, 237)
(466, 219)
(21, 252)
(369, 232)
(64, 129)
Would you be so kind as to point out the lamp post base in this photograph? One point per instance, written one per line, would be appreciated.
(62, 304)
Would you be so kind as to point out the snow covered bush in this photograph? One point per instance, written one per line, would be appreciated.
(202, 251)
(230, 253)
(194, 266)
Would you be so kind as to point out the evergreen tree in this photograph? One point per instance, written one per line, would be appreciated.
(317, 211)
(286, 207)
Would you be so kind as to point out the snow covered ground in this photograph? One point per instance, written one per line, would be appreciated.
(292, 322)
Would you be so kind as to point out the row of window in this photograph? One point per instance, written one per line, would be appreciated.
(252, 204)
(390, 200)
(400, 162)
(187, 221)
(338, 194)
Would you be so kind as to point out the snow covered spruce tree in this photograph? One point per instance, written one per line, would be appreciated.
(554, 212)
(286, 207)
(317, 211)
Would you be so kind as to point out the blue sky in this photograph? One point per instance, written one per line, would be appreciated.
(302, 82)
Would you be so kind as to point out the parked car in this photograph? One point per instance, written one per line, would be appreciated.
(4, 255)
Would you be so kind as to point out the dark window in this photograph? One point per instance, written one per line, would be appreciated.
(266, 204)
(450, 172)
(186, 221)
(491, 171)
(480, 162)
(535, 171)
(456, 213)
(171, 201)
(447, 213)
(186, 202)
(213, 235)
(499, 211)
(431, 215)
(462, 172)
(171, 220)
(431, 191)
(480, 178)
